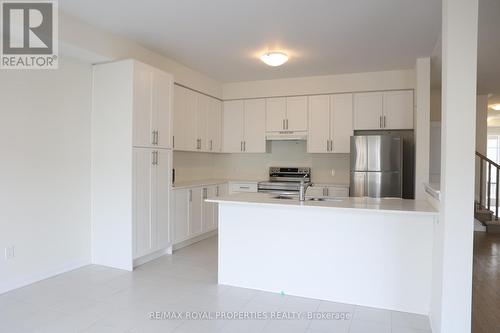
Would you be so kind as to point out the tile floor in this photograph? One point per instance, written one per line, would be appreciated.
(100, 299)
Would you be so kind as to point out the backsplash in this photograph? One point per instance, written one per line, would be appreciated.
(326, 168)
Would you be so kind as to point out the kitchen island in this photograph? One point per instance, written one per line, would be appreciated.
(370, 252)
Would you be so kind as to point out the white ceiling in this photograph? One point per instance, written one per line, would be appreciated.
(223, 38)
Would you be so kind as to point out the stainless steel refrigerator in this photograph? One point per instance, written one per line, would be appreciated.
(376, 166)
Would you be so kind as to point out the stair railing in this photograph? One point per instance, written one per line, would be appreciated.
(485, 193)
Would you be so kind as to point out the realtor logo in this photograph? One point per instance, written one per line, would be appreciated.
(29, 35)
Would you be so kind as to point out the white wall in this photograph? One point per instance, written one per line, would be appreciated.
(422, 125)
(45, 171)
(79, 39)
(387, 80)
(453, 238)
(196, 166)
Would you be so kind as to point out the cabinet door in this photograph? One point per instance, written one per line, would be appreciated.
(368, 111)
(296, 113)
(143, 106)
(275, 114)
(214, 120)
(398, 109)
(162, 100)
(341, 128)
(319, 124)
(209, 209)
(190, 120)
(180, 215)
(195, 211)
(179, 125)
(255, 126)
(201, 122)
(163, 172)
(142, 201)
(232, 126)
(315, 191)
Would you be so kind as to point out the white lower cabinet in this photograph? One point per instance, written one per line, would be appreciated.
(235, 187)
(332, 191)
(191, 215)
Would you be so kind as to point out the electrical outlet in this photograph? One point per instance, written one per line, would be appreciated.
(9, 252)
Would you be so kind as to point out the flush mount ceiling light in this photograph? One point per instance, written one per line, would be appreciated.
(274, 58)
(495, 107)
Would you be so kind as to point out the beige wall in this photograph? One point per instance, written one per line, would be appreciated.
(436, 105)
(326, 168)
(90, 44)
(386, 80)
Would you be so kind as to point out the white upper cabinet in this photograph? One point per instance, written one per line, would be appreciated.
(244, 126)
(296, 113)
(318, 138)
(286, 114)
(383, 110)
(398, 109)
(197, 121)
(185, 116)
(233, 125)
(275, 114)
(254, 140)
(214, 121)
(368, 108)
(330, 123)
(152, 107)
(341, 126)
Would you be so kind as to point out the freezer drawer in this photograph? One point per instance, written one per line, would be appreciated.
(358, 184)
(384, 184)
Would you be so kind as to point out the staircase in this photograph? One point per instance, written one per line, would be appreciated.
(486, 204)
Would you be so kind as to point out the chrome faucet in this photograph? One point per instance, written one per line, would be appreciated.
(303, 189)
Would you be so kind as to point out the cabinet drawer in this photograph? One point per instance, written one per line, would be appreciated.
(242, 187)
(334, 191)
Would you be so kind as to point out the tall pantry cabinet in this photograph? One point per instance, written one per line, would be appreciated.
(131, 163)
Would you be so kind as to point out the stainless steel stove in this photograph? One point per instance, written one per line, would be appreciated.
(285, 180)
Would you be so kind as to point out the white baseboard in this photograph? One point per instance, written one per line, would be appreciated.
(8, 284)
(155, 255)
(193, 240)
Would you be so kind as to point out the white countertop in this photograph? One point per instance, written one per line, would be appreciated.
(384, 205)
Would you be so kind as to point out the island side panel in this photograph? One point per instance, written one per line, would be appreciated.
(366, 258)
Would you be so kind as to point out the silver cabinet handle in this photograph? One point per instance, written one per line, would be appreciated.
(153, 136)
(244, 146)
(211, 144)
(157, 137)
(217, 191)
(283, 125)
(205, 193)
(327, 145)
(244, 187)
(331, 145)
(384, 121)
(173, 141)
(152, 158)
(286, 122)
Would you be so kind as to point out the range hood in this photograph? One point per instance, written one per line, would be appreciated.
(286, 136)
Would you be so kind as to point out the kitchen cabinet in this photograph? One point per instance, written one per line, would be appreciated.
(185, 115)
(286, 114)
(330, 123)
(214, 121)
(152, 96)
(195, 211)
(191, 216)
(197, 120)
(131, 163)
(383, 110)
(235, 187)
(328, 191)
(244, 126)
(151, 183)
